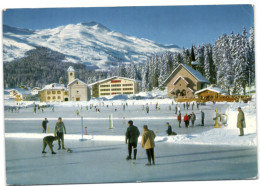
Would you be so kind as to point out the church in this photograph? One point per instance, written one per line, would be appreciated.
(76, 90)
(184, 81)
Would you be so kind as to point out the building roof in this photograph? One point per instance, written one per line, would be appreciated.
(54, 86)
(196, 74)
(213, 89)
(114, 77)
(70, 69)
(77, 80)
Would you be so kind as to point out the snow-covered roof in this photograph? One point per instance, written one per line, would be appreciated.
(181, 78)
(77, 80)
(70, 69)
(54, 86)
(196, 74)
(213, 89)
(194, 63)
(114, 77)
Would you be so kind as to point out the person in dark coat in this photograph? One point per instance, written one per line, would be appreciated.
(148, 144)
(59, 131)
(202, 117)
(241, 124)
(48, 140)
(44, 125)
(169, 130)
(131, 137)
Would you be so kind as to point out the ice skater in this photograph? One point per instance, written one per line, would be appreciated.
(179, 119)
(192, 118)
(148, 144)
(44, 125)
(202, 117)
(186, 120)
(131, 137)
(48, 140)
(59, 131)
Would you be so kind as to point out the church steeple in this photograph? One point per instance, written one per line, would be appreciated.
(71, 74)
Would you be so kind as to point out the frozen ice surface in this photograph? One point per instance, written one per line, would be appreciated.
(104, 162)
(196, 153)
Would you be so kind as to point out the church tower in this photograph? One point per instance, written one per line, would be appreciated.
(71, 74)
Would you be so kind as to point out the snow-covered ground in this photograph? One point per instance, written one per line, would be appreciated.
(23, 134)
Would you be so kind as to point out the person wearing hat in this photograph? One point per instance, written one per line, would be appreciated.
(131, 137)
(48, 140)
(241, 124)
(44, 125)
(148, 144)
(59, 132)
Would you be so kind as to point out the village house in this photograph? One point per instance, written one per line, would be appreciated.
(76, 90)
(113, 86)
(184, 81)
(54, 92)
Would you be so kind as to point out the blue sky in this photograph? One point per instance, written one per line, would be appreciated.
(180, 25)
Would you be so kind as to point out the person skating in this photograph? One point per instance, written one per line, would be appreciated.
(193, 118)
(48, 140)
(241, 124)
(179, 119)
(148, 144)
(131, 137)
(169, 131)
(202, 117)
(44, 125)
(59, 131)
(186, 120)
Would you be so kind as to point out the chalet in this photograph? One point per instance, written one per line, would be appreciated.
(184, 81)
(113, 86)
(210, 93)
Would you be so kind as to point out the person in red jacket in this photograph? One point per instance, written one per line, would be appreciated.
(186, 120)
(179, 119)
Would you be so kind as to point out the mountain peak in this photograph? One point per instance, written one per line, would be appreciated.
(96, 24)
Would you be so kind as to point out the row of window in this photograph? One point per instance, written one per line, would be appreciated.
(53, 97)
(54, 92)
(117, 85)
(114, 93)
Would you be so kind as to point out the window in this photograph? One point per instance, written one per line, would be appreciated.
(116, 85)
(104, 85)
(48, 98)
(58, 97)
(58, 92)
(104, 94)
(48, 92)
(127, 92)
(127, 85)
(105, 89)
(127, 88)
(77, 91)
(53, 97)
(116, 89)
(53, 92)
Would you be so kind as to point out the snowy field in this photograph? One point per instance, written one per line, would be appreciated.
(218, 152)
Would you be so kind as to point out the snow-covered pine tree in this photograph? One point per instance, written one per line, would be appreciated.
(252, 57)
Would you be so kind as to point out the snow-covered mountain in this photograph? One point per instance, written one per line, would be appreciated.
(90, 43)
